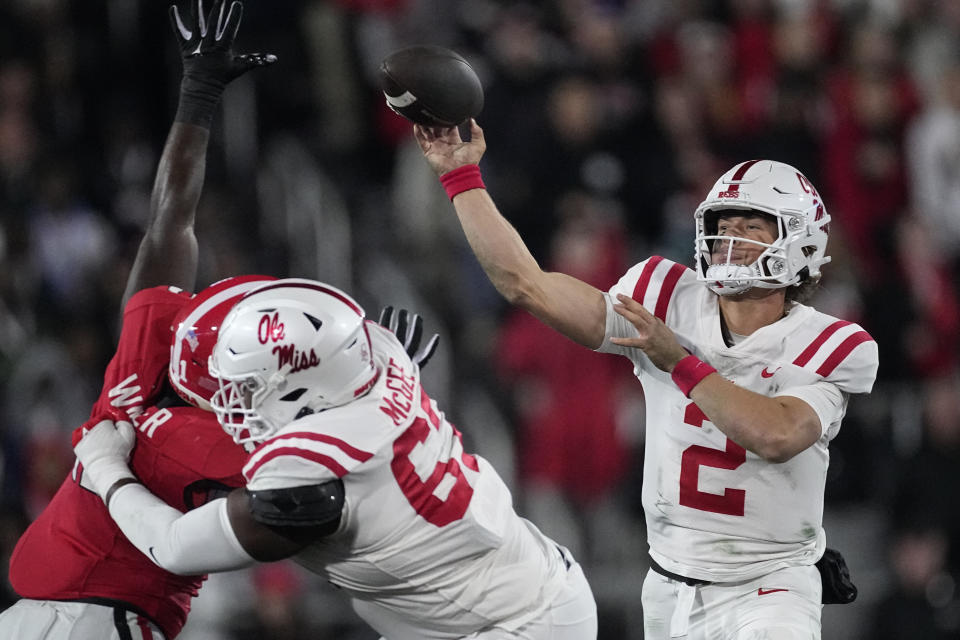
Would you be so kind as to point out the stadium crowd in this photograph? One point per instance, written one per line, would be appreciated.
(620, 113)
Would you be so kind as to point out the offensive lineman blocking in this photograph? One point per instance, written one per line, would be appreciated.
(358, 476)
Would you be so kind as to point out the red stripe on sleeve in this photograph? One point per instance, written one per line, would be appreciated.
(313, 456)
(842, 352)
(640, 290)
(350, 450)
(666, 291)
(144, 627)
(808, 353)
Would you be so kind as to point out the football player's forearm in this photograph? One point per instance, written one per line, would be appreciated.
(776, 429)
(574, 308)
(180, 176)
(497, 245)
(199, 541)
(168, 251)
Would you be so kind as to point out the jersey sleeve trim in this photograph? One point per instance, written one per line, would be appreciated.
(665, 291)
(350, 450)
(826, 346)
(335, 454)
(818, 342)
(826, 400)
(841, 352)
(251, 468)
(643, 282)
(156, 295)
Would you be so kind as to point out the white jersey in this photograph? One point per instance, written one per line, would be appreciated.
(715, 511)
(429, 545)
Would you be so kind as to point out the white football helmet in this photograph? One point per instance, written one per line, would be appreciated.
(785, 194)
(286, 347)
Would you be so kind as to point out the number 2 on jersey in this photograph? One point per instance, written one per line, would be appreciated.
(732, 501)
(443, 496)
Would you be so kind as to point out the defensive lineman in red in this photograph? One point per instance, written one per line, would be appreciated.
(360, 477)
(77, 574)
(73, 551)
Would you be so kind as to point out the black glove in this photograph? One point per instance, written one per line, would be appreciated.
(209, 64)
(409, 329)
(835, 577)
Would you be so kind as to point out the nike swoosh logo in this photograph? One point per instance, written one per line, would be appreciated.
(762, 592)
(768, 374)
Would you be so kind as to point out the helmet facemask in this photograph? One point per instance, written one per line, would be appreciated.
(235, 405)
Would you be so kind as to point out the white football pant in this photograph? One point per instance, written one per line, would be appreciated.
(571, 616)
(54, 620)
(783, 605)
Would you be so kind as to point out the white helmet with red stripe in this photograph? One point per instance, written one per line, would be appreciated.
(195, 329)
(290, 347)
(781, 192)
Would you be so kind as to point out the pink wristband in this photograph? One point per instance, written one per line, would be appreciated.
(462, 179)
(689, 372)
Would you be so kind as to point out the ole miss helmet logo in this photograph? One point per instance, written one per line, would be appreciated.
(270, 329)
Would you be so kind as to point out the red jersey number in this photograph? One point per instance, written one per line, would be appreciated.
(732, 500)
(444, 495)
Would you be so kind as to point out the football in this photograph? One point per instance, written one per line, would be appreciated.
(431, 86)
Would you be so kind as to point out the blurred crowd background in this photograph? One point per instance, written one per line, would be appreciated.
(606, 122)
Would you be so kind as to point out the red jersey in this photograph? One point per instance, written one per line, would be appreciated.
(74, 550)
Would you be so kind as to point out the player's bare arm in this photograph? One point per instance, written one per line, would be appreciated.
(269, 529)
(168, 252)
(776, 429)
(572, 307)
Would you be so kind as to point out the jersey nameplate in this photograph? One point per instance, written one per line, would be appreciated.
(398, 404)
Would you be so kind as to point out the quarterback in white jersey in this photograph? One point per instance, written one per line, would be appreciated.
(359, 476)
(714, 510)
(745, 387)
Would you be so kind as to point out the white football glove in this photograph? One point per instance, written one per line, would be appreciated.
(103, 451)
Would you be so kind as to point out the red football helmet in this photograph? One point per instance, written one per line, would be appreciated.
(195, 330)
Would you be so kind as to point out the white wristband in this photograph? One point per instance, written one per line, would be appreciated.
(103, 473)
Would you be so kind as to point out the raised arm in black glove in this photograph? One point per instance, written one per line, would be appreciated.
(209, 63)
(408, 327)
(168, 253)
